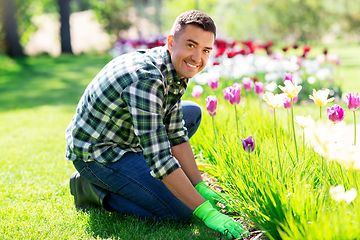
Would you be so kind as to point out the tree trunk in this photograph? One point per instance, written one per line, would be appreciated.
(12, 44)
(65, 26)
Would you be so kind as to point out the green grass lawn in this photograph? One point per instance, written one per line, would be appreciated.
(38, 97)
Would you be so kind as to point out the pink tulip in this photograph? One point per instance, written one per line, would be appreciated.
(211, 103)
(237, 85)
(214, 83)
(227, 93)
(288, 76)
(259, 87)
(235, 95)
(247, 83)
(353, 101)
(336, 113)
(295, 99)
(197, 91)
(287, 102)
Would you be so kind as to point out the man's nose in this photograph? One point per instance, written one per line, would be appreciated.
(196, 56)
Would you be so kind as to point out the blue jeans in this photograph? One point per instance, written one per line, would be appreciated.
(133, 191)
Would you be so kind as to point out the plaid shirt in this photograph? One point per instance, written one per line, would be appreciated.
(132, 105)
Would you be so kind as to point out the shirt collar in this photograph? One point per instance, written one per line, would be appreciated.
(172, 77)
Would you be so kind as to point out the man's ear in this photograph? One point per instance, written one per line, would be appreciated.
(170, 41)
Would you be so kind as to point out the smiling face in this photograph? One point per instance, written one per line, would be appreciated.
(190, 50)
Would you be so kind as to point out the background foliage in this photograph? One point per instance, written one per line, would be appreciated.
(282, 20)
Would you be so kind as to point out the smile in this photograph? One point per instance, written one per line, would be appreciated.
(190, 65)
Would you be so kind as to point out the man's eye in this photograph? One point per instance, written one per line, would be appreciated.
(191, 45)
(206, 51)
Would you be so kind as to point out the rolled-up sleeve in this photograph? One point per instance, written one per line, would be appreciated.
(145, 101)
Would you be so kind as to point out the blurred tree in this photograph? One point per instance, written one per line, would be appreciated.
(64, 10)
(10, 29)
(113, 15)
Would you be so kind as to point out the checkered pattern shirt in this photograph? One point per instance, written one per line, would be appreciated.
(132, 105)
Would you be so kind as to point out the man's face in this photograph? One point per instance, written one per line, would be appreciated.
(190, 50)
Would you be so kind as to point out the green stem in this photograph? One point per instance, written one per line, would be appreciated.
(249, 158)
(213, 122)
(320, 112)
(293, 126)
(288, 121)
(303, 141)
(236, 117)
(277, 146)
(354, 128)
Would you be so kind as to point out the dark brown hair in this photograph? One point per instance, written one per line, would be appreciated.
(194, 17)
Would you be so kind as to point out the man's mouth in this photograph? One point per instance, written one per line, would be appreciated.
(190, 65)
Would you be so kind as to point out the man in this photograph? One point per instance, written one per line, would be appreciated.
(128, 140)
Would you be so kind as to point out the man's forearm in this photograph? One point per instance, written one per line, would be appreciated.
(184, 154)
(179, 184)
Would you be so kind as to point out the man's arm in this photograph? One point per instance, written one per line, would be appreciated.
(181, 182)
(184, 154)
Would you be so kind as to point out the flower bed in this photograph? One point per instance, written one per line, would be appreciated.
(287, 187)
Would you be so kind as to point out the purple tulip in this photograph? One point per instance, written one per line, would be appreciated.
(288, 76)
(336, 113)
(211, 103)
(353, 101)
(248, 144)
(287, 102)
(214, 83)
(247, 83)
(259, 88)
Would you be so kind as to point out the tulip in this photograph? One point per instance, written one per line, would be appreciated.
(227, 93)
(248, 144)
(321, 98)
(274, 101)
(290, 89)
(288, 76)
(353, 101)
(211, 103)
(235, 95)
(214, 83)
(259, 88)
(287, 102)
(197, 91)
(304, 121)
(247, 83)
(339, 194)
(336, 113)
(353, 104)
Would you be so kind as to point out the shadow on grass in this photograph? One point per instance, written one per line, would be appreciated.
(110, 225)
(35, 81)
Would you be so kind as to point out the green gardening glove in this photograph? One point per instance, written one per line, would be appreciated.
(220, 222)
(212, 195)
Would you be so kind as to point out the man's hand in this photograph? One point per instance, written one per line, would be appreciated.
(220, 222)
(212, 196)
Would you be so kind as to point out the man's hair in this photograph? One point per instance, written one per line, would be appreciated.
(194, 17)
